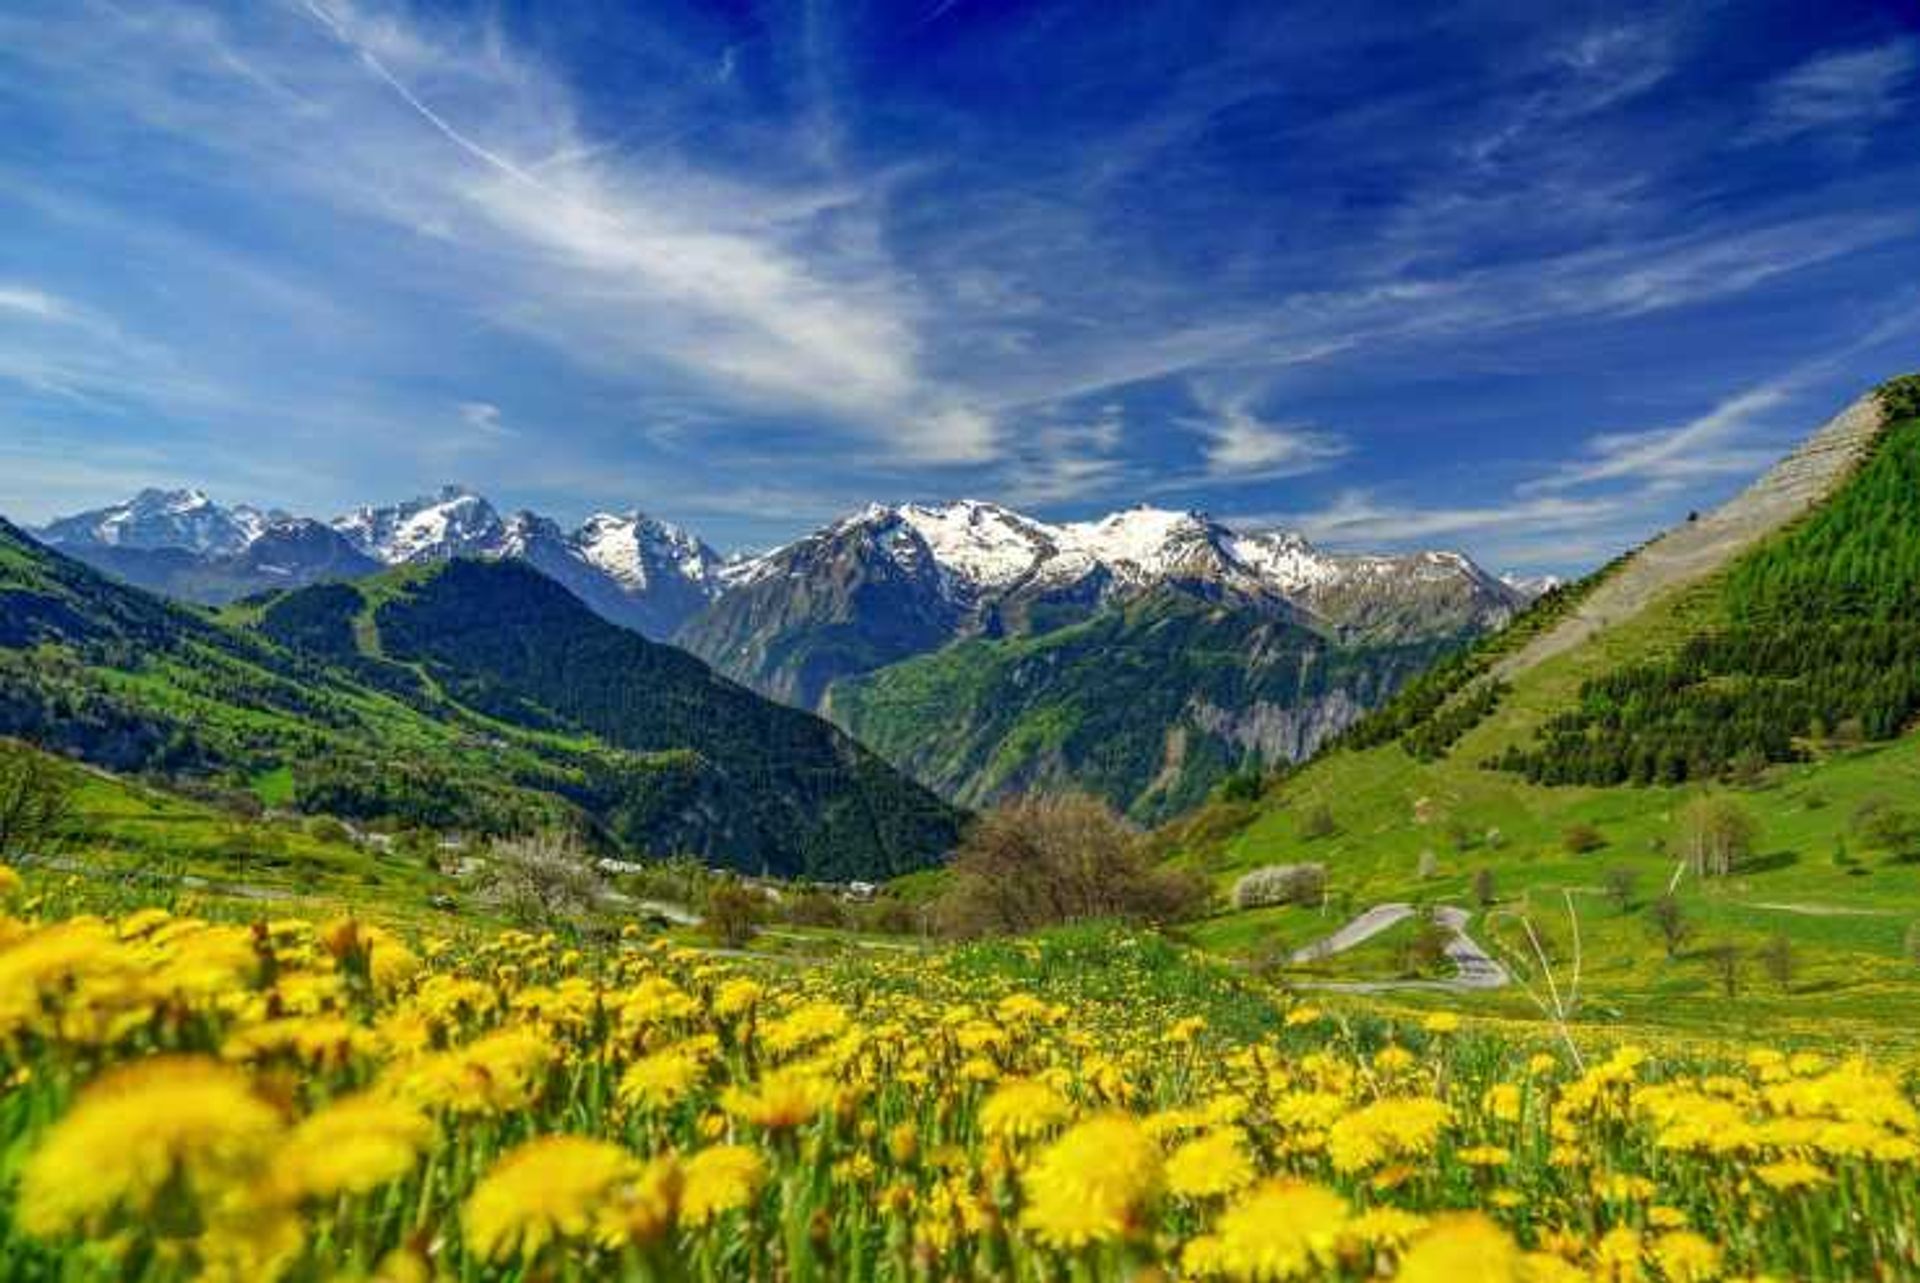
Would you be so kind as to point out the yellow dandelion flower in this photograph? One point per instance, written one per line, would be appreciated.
(134, 1132)
(1022, 1108)
(718, 1180)
(811, 1023)
(546, 1190)
(1791, 1174)
(1091, 1184)
(783, 1098)
(350, 1147)
(1396, 1127)
(903, 1143)
(1467, 1246)
(402, 1265)
(499, 1072)
(1617, 1256)
(736, 997)
(1389, 1227)
(662, 1079)
(1284, 1229)
(1686, 1257)
(1214, 1164)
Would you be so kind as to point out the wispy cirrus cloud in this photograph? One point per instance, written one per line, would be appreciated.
(1363, 515)
(1243, 447)
(1846, 91)
(1717, 443)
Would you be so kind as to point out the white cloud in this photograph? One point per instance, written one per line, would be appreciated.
(485, 419)
(1714, 444)
(1360, 515)
(24, 300)
(1243, 447)
(1850, 90)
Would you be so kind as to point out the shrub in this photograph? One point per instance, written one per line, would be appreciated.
(1423, 952)
(1581, 839)
(733, 912)
(324, 828)
(1886, 827)
(1281, 884)
(1038, 861)
(1244, 785)
(1318, 823)
(814, 907)
(36, 801)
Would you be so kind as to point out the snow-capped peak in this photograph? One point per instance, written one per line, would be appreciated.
(1146, 537)
(1284, 559)
(1532, 586)
(983, 544)
(454, 522)
(637, 551)
(153, 519)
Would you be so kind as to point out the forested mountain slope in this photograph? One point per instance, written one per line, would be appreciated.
(503, 703)
(1149, 704)
(1782, 680)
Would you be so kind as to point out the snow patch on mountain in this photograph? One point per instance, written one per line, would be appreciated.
(453, 523)
(636, 551)
(155, 519)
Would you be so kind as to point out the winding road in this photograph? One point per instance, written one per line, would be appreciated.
(1473, 968)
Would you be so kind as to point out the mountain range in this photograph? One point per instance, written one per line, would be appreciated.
(464, 694)
(1006, 630)
(1143, 656)
(630, 569)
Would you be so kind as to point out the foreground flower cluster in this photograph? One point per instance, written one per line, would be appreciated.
(300, 1100)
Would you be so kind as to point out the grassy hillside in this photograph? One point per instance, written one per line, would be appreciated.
(1149, 705)
(1760, 679)
(504, 704)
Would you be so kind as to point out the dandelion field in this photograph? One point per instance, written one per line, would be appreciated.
(330, 1099)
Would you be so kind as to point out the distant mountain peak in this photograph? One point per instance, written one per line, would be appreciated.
(155, 518)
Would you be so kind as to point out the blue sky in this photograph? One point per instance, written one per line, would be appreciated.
(1532, 280)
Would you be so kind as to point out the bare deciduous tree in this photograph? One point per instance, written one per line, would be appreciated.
(1670, 920)
(1041, 860)
(546, 879)
(1716, 834)
(1724, 959)
(1620, 885)
(1777, 957)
